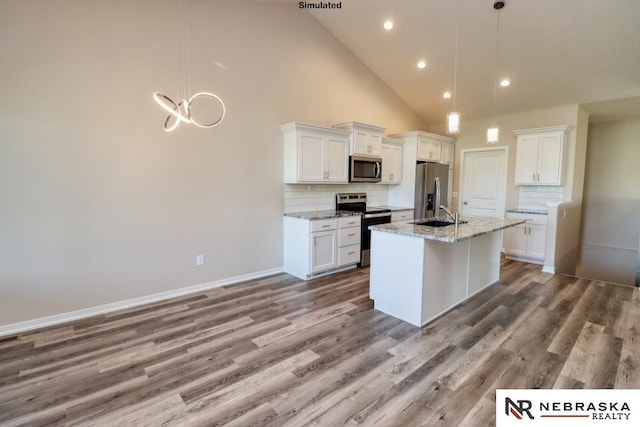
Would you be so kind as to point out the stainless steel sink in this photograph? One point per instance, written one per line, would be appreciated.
(437, 223)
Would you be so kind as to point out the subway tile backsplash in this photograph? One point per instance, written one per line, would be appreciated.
(318, 197)
(537, 197)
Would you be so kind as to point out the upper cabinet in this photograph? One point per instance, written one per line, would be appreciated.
(365, 140)
(539, 155)
(391, 161)
(314, 154)
(429, 149)
(447, 154)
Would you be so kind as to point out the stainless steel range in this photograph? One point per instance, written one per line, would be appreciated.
(372, 216)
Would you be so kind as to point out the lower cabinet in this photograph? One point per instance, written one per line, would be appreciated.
(526, 242)
(404, 215)
(315, 247)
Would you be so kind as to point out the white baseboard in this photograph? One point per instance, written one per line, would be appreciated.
(549, 269)
(56, 319)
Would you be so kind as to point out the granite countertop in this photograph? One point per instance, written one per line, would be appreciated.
(528, 211)
(332, 213)
(475, 226)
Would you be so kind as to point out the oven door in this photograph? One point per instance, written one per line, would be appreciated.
(365, 241)
(364, 169)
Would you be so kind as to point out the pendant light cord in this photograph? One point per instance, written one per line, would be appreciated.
(495, 71)
(455, 58)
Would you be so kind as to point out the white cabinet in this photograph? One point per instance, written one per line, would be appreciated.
(447, 154)
(526, 242)
(539, 155)
(429, 149)
(320, 246)
(404, 215)
(314, 154)
(366, 140)
(391, 161)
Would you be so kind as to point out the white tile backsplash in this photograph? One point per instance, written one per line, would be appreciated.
(537, 197)
(318, 197)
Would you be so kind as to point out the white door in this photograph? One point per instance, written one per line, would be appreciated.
(515, 240)
(484, 182)
(549, 156)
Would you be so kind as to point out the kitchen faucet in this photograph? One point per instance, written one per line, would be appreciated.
(455, 218)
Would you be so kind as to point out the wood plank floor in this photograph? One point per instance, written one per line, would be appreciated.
(283, 352)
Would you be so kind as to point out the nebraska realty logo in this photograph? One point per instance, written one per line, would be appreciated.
(567, 407)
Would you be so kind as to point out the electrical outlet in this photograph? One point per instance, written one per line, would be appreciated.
(199, 260)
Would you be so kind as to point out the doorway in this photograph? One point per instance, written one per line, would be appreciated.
(483, 181)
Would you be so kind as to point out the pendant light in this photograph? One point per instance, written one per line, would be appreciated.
(181, 111)
(493, 132)
(453, 118)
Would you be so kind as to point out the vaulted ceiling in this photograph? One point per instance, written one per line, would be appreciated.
(555, 52)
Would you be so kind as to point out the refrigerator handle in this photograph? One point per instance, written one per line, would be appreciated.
(425, 196)
(436, 207)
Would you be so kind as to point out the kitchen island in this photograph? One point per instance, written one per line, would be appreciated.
(419, 272)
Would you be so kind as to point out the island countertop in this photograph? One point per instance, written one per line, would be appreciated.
(475, 226)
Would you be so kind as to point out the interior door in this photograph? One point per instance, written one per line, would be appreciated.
(484, 179)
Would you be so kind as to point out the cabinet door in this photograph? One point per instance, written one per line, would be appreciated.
(446, 156)
(550, 159)
(516, 240)
(527, 160)
(310, 157)
(336, 159)
(360, 142)
(395, 174)
(386, 155)
(323, 250)
(374, 146)
(536, 241)
(429, 150)
(391, 164)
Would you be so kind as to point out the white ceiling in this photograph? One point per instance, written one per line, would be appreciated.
(556, 52)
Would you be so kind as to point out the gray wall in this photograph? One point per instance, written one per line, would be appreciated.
(99, 204)
(611, 206)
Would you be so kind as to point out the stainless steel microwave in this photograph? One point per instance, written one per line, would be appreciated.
(365, 169)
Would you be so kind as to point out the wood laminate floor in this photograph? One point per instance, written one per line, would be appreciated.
(283, 352)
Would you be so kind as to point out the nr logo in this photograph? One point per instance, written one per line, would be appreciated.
(518, 409)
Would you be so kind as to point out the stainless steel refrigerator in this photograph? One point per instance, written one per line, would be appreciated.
(431, 188)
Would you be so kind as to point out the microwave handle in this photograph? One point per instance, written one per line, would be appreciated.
(378, 168)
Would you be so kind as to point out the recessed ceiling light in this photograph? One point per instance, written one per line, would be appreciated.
(505, 83)
(422, 64)
(446, 95)
(388, 24)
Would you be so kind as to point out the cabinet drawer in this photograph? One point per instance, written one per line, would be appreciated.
(401, 216)
(349, 221)
(349, 254)
(348, 236)
(324, 224)
(531, 218)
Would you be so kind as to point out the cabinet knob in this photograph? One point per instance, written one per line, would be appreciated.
(465, 203)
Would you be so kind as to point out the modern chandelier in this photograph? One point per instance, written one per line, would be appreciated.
(182, 111)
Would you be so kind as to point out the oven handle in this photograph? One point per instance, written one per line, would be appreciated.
(378, 215)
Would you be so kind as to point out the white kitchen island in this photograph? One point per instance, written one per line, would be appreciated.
(419, 272)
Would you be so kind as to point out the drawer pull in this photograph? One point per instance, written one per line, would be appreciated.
(352, 234)
(350, 253)
(326, 226)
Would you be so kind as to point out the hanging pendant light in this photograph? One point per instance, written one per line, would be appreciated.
(493, 133)
(453, 118)
(181, 111)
